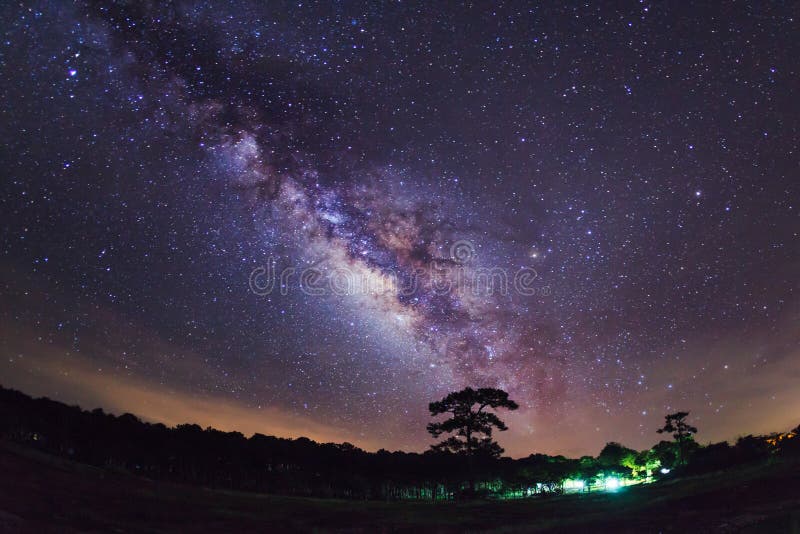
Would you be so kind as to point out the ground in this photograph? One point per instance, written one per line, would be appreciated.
(41, 493)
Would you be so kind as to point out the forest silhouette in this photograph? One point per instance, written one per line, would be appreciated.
(466, 464)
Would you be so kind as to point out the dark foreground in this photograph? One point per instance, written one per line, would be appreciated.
(40, 493)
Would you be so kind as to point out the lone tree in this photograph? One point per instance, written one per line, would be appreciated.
(469, 422)
(682, 431)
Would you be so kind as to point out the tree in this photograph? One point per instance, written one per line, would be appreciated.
(470, 423)
(681, 431)
(646, 463)
(617, 458)
(666, 452)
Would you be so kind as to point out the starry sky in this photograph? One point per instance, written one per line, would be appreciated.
(591, 205)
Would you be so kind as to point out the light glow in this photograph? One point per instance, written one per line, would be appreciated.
(573, 484)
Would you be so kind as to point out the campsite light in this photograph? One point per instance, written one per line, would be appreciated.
(664, 470)
(573, 484)
(612, 483)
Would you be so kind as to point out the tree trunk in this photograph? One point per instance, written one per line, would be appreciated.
(470, 462)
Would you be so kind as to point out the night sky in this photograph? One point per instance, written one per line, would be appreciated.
(631, 170)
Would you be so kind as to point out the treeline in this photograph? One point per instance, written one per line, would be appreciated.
(208, 457)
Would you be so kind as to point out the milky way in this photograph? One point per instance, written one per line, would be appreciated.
(592, 207)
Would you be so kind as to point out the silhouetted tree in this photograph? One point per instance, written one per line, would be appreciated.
(470, 421)
(666, 452)
(681, 431)
(751, 448)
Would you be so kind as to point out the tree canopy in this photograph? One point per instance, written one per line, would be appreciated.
(675, 423)
(470, 422)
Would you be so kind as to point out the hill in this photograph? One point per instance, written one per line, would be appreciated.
(43, 493)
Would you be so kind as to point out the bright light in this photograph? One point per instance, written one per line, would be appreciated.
(664, 470)
(612, 483)
(573, 484)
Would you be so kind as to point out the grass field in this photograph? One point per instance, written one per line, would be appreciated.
(40, 493)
